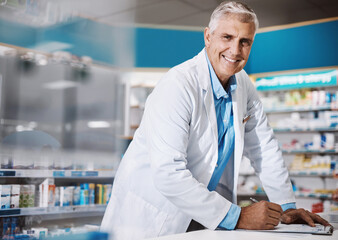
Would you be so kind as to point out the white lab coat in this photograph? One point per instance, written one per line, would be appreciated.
(161, 183)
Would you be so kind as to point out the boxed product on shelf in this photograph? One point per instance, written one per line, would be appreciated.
(320, 164)
(5, 196)
(15, 196)
(57, 197)
(27, 196)
(84, 194)
(91, 193)
(46, 193)
(51, 195)
(107, 193)
(68, 194)
(40, 232)
(76, 195)
(99, 194)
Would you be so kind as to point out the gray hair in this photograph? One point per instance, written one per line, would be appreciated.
(241, 10)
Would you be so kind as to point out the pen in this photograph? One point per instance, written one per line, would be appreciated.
(256, 201)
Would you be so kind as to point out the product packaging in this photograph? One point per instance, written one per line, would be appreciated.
(107, 193)
(27, 196)
(40, 233)
(51, 195)
(99, 194)
(68, 196)
(84, 194)
(91, 193)
(77, 195)
(6, 196)
(57, 197)
(43, 194)
(15, 196)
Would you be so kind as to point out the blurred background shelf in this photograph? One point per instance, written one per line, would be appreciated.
(313, 195)
(38, 173)
(54, 213)
(287, 130)
(298, 109)
(305, 151)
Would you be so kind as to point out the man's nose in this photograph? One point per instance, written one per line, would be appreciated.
(235, 48)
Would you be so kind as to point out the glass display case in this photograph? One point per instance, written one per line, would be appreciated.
(61, 118)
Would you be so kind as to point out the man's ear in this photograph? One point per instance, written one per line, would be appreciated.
(207, 36)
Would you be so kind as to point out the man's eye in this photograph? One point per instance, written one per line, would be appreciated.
(245, 43)
(227, 37)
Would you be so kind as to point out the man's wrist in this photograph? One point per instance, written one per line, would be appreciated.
(287, 206)
(230, 220)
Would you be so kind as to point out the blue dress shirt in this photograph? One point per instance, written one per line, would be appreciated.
(226, 139)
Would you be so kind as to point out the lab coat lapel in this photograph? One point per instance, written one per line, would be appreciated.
(239, 132)
(204, 79)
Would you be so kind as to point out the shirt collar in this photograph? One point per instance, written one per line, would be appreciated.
(217, 87)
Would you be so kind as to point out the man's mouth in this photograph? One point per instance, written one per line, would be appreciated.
(230, 59)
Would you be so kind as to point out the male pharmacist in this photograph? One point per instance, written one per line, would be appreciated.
(200, 120)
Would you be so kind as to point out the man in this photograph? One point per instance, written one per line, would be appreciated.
(199, 121)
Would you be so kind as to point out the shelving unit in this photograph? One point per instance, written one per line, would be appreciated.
(56, 135)
(55, 213)
(298, 109)
(138, 85)
(306, 151)
(294, 122)
(288, 130)
(66, 174)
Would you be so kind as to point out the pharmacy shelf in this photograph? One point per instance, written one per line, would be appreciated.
(297, 109)
(302, 173)
(305, 151)
(39, 173)
(313, 195)
(54, 213)
(297, 194)
(311, 173)
(288, 130)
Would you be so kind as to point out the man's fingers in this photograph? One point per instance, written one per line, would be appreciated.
(306, 217)
(272, 221)
(286, 219)
(275, 215)
(269, 226)
(275, 207)
(316, 218)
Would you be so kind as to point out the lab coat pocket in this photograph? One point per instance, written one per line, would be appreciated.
(143, 220)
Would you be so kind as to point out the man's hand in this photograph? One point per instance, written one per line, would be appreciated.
(260, 216)
(302, 216)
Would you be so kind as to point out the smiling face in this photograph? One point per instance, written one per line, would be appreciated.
(228, 46)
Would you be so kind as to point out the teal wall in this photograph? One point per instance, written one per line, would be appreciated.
(308, 46)
(301, 47)
(165, 47)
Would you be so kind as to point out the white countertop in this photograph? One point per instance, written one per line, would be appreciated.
(243, 234)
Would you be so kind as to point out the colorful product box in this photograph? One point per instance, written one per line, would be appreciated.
(27, 196)
(15, 196)
(6, 196)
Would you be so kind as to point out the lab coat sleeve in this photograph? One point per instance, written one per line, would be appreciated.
(261, 147)
(167, 118)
